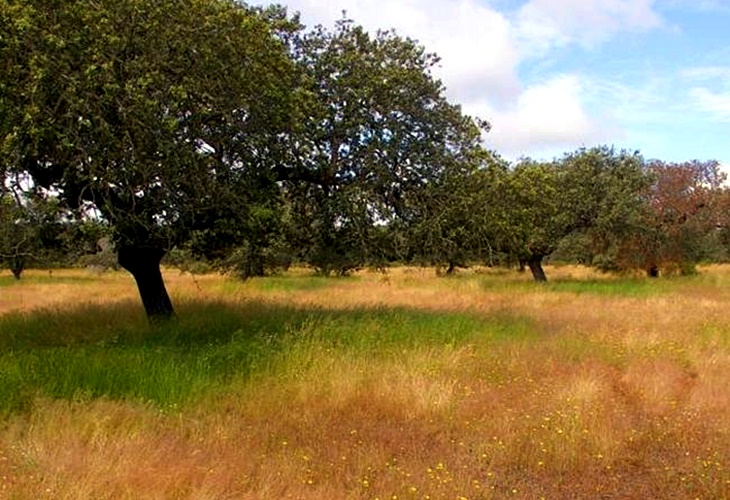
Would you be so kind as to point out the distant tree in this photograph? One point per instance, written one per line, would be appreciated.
(456, 215)
(377, 132)
(262, 247)
(31, 233)
(87, 242)
(596, 193)
(17, 237)
(681, 216)
(530, 224)
(722, 232)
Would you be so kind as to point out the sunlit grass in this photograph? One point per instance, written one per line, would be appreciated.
(45, 278)
(286, 283)
(481, 385)
(112, 352)
(604, 285)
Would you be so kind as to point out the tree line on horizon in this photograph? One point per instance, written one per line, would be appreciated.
(231, 134)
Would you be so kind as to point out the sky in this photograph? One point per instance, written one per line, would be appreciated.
(552, 76)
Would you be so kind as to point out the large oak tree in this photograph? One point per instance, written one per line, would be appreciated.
(377, 133)
(162, 117)
(597, 193)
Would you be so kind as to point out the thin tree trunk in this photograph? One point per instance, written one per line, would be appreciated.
(17, 270)
(257, 266)
(451, 268)
(535, 265)
(521, 265)
(144, 264)
(17, 265)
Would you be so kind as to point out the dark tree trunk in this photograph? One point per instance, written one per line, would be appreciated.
(451, 268)
(17, 270)
(535, 265)
(257, 267)
(253, 267)
(652, 271)
(521, 263)
(17, 266)
(144, 264)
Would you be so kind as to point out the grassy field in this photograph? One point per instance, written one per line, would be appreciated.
(398, 386)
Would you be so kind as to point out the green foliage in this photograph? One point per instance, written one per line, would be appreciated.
(590, 196)
(456, 220)
(163, 118)
(531, 223)
(377, 131)
(32, 233)
(233, 136)
(677, 224)
(17, 238)
(101, 256)
(227, 131)
(186, 262)
(248, 260)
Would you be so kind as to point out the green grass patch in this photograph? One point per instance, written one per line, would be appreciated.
(111, 351)
(612, 287)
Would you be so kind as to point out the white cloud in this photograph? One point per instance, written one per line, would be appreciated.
(546, 24)
(711, 91)
(703, 73)
(479, 56)
(475, 42)
(549, 117)
(700, 5)
(482, 50)
(714, 103)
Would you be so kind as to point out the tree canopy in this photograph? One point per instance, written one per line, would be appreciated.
(678, 223)
(532, 207)
(377, 130)
(160, 117)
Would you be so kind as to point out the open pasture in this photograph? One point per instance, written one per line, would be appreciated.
(403, 385)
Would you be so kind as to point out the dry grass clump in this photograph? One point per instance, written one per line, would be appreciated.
(591, 387)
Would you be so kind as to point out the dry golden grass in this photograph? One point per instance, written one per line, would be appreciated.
(70, 287)
(615, 397)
